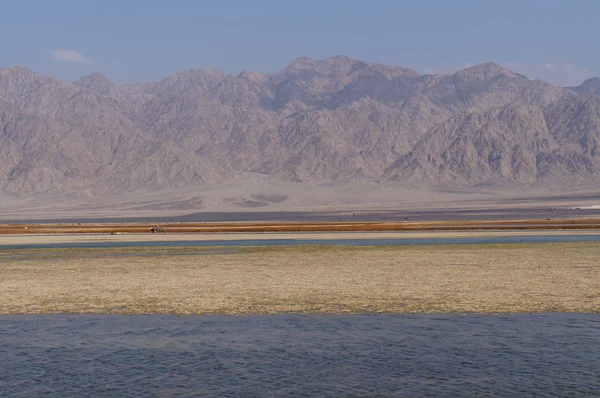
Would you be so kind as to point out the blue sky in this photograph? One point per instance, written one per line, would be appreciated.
(132, 41)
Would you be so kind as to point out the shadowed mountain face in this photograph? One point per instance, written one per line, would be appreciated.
(590, 86)
(315, 121)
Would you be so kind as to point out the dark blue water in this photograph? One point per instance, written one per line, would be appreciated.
(342, 242)
(548, 355)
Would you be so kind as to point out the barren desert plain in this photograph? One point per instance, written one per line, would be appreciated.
(268, 268)
(436, 254)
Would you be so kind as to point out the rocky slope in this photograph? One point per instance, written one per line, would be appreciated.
(590, 86)
(314, 121)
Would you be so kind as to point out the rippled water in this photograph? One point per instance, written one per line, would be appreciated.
(355, 355)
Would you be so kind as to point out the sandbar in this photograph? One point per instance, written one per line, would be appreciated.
(482, 278)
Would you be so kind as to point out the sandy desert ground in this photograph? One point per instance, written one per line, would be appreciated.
(506, 278)
(308, 279)
(255, 197)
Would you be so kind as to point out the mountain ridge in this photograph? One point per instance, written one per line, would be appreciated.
(314, 121)
(590, 86)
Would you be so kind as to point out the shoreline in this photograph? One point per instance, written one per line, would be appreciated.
(15, 241)
(299, 314)
(27, 239)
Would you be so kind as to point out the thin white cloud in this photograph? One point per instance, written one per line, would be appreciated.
(561, 73)
(61, 54)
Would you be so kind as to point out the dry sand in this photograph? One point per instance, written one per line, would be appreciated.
(562, 277)
(251, 192)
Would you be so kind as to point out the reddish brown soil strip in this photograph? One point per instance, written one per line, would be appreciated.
(566, 224)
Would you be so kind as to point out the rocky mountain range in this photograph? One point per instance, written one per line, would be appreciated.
(315, 122)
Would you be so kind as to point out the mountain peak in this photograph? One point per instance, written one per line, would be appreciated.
(487, 67)
(484, 71)
(339, 59)
(590, 86)
(302, 63)
(95, 77)
(21, 75)
(98, 75)
(18, 70)
(197, 74)
(343, 65)
(250, 76)
(335, 61)
(97, 82)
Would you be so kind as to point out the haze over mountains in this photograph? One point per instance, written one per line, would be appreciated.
(335, 120)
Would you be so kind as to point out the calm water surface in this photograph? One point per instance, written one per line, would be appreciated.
(545, 355)
(342, 242)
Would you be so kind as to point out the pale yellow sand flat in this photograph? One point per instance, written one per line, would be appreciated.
(561, 277)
